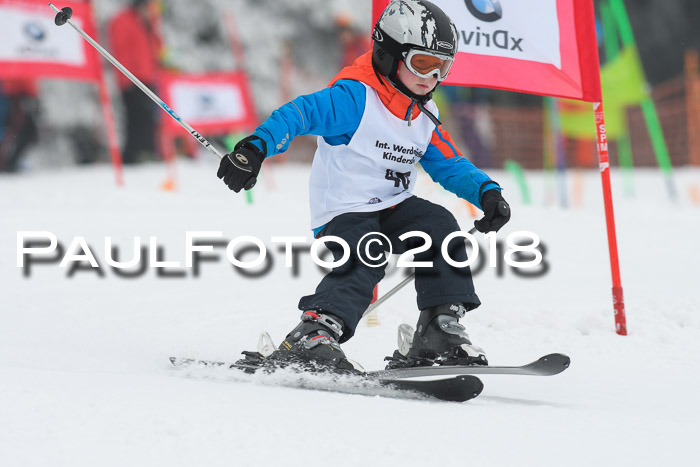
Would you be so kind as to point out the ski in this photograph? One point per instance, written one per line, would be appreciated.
(548, 365)
(452, 388)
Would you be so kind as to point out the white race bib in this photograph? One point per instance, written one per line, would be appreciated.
(375, 170)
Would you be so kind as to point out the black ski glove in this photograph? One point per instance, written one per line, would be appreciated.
(496, 212)
(239, 169)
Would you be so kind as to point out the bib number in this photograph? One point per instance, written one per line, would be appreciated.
(399, 178)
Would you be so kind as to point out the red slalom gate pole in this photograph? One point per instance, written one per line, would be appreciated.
(115, 153)
(111, 128)
(604, 164)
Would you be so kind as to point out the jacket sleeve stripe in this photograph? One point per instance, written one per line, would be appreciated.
(446, 165)
(444, 143)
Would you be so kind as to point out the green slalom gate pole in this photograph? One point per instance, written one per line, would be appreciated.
(624, 151)
(558, 147)
(612, 50)
(519, 175)
(651, 117)
(659, 143)
(610, 43)
(548, 152)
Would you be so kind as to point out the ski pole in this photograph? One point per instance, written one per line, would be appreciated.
(64, 15)
(503, 208)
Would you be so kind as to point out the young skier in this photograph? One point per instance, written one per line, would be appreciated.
(375, 122)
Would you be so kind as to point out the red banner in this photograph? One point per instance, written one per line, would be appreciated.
(545, 47)
(32, 46)
(212, 102)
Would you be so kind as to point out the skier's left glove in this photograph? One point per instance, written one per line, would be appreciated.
(240, 168)
(496, 212)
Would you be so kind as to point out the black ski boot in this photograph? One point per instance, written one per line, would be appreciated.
(313, 344)
(439, 340)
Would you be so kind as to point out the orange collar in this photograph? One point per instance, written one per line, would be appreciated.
(363, 71)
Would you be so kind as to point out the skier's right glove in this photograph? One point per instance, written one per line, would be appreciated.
(240, 168)
(496, 212)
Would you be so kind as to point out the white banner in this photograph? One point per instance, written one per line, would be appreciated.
(31, 38)
(520, 29)
(208, 102)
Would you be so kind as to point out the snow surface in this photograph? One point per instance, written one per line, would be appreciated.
(85, 380)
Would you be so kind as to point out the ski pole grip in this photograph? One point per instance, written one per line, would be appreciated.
(503, 208)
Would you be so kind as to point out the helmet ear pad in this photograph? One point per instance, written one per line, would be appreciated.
(387, 54)
(384, 62)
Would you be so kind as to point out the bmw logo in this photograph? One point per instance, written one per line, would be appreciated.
(35, 32)
(206, 101)
(485, 10)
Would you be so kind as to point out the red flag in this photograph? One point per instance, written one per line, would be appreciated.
(32, 46)
(211, 102)
(545, 47)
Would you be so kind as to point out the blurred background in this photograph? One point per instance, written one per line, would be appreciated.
(271, 51)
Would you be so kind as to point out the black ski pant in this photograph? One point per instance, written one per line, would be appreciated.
(140, 126)
(20, 133)
(346, 291)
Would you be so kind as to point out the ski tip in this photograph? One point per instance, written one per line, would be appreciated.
(461, 388)
(558, 359)
(472, 387)
(555, 363)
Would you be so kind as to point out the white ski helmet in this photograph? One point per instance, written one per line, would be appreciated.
(412, 26)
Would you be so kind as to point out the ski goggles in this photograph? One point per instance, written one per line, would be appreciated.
(426, 64)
